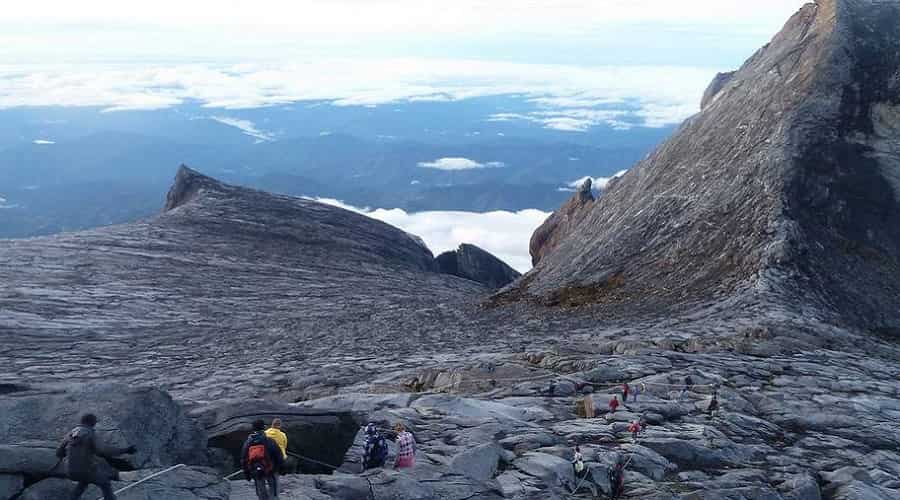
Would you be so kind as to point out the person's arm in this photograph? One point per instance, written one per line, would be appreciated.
(275, 451)
(62, 449)
(244, 453)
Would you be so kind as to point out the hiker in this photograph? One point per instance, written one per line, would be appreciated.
(625, 390)
(406, 447)
(642, 421)
(276, 434)
(375, 451)
(636, 392)
(578, 461)
(262, 451)
(80, 445)
(613, 404)
(617, 480)
(688, 385)
(634, 428)
(713, 405)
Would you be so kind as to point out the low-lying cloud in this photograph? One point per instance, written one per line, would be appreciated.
(459, 164)
(42, 142)
(570, 98)
(245, 126)
(504, 234)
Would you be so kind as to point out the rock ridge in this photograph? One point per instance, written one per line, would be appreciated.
(781, 190)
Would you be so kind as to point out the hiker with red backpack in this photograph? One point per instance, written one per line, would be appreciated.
(261, 459)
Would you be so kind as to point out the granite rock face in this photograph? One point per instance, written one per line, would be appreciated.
(561, 223)
(244, 305)
(783, 189)
(473, 263)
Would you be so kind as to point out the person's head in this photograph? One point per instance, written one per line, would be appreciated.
(259, 425)
(276, 423)
(577, 449)
(89, 420)
(371, 429)
(615, 397)
(399, 427)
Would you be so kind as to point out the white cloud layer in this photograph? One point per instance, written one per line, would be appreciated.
(597, 182)
(42, 142)
(459, 164)
(504, 234)
(567, 92)
(245, 126)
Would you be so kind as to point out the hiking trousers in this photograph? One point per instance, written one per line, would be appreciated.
(106, 488)
(272, 481)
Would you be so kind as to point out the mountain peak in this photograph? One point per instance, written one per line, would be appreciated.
(783, 190)
(188, 182)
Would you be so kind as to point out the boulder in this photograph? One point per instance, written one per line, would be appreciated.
(11, 485)
(185, 483)
(473, 263)
(144, 417)
(32, 459)
(480, 462)
(554, 471)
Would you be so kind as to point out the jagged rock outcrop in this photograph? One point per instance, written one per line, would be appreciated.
(561, 223)
(718, 83)
(783, 190)
(473, 263)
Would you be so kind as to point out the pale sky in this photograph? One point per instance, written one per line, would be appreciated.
(544, 31)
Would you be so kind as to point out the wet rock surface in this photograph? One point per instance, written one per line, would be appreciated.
(244, 305)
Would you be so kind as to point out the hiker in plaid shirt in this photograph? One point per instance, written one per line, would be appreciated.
(406, 447)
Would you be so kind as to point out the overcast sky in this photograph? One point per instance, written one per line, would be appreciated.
(690, 32)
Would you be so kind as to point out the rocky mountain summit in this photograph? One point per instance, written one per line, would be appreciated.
(753, 256)
(782, 191)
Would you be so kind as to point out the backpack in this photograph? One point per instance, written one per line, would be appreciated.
(380, 449)
(258, 454)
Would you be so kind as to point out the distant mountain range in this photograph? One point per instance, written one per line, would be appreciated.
(65, 169)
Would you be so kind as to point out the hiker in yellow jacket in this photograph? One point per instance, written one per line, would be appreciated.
(275, 434)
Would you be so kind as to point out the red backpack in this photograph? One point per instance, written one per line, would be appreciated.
(256, 454)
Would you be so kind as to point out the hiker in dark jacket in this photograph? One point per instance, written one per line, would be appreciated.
(259, 448)
(375, 452)
(80, 445)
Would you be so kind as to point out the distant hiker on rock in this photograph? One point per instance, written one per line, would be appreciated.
(713, 408)
(261, 459)
(276, 434)
(617, 480)
(638, 389)
(613, 404)
(578, 461)
(406, 448)
(80, 445)
(634, 428)
(688, 385)
(375, 451)
(625, 390)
